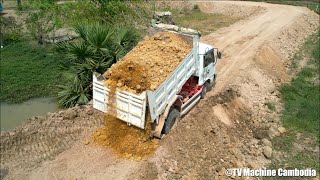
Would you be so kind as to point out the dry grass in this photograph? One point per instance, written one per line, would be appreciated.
(203, 22)
(9, 4)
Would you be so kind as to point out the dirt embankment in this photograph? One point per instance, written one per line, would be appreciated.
(148, 64)
(42, 138)
(231, 127)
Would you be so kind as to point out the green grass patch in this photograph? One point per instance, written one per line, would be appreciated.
(301, 114)
(200, 21)
(300, 160)
(28, 71)
(302, 96)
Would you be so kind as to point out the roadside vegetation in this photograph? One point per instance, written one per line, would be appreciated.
(301, 115)
(106, 30)
(99, 47)
(32, 67)
(28, 71)
(196, 19)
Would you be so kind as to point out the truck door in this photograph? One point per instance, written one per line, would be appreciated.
(209, 62)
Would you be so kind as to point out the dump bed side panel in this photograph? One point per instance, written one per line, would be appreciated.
(129, 107)
(159, 98)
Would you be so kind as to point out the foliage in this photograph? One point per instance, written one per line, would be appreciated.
(100, 46)
(10, 30)
(43, 18)
(29, 71)
(130, 13)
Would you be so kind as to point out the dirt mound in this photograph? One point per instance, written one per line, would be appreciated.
(42, 138)
(126, 141)
(149, 63)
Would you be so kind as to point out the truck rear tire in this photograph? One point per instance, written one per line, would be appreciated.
(173, 116)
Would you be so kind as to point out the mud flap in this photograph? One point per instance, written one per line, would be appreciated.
(156, 131)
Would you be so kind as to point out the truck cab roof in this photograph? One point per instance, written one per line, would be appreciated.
(203, 48)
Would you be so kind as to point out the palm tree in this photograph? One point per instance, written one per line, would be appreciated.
(98, 48)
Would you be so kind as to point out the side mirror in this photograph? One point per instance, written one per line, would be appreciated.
(219, 54)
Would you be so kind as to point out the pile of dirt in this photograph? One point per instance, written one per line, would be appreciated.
(149, 63)
(126, 141)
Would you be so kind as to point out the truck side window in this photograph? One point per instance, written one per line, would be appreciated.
(208, 58)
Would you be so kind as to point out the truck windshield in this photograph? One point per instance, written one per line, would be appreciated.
(209, 58)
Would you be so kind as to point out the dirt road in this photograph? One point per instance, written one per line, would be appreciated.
(231, 127)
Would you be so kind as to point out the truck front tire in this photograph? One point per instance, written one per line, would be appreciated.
(207, 87)
(173, 116)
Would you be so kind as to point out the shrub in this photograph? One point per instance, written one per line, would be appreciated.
(100, 46)
(10, 30)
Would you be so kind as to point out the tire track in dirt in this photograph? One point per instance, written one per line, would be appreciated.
(43, 138)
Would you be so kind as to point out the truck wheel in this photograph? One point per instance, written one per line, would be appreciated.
(171, 119)
(211, 85)
(204, 90)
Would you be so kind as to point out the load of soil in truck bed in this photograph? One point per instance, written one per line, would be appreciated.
(147, 65)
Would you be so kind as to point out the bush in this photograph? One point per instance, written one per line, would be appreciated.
(10, 30)
(43, 18)
(100, 46)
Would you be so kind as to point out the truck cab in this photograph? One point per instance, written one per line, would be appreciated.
(207, 62)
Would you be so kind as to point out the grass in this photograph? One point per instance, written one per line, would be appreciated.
(301, 113)
(203, 22)
(302, 96)
(28, 71)
(301, 160)
(284, 143)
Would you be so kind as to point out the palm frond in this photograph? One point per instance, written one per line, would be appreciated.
(82, 30)
(125, 37)
(99, 37)
(100, 47)
(77, 51)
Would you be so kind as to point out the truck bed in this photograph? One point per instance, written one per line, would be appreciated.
(131, 107)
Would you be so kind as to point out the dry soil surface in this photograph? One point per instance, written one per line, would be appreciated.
(231, 127)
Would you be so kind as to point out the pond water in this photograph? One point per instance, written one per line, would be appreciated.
(13, 115)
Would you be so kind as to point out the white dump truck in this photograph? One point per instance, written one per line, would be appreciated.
(174, 97)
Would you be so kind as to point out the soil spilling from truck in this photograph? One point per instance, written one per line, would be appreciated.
(147, 65)
(125, 141)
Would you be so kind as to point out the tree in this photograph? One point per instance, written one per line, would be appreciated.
(42, 18)
(100, 46)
